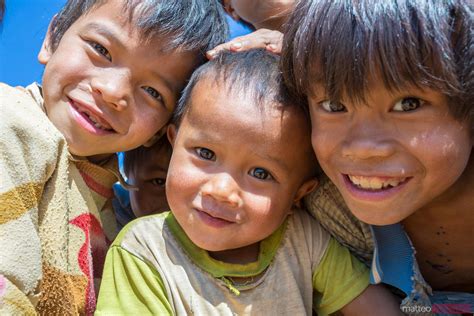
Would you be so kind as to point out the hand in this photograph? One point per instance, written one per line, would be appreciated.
(262, 38)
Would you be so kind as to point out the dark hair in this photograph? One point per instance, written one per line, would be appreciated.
(190, 25)
(131, 157)
(2, 10)
(341, 44)
(254, 72)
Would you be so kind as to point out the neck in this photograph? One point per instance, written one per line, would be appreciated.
(241, 255)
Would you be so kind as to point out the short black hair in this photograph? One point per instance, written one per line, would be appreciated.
(341, 44)
(132, 157)
(190, 25)
(254, 72)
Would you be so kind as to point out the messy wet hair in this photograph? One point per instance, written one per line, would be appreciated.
(254, 73)
(189, 25)
(343, 44)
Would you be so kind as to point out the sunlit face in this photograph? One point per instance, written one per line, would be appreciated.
(236, 169)
(148, 174)
(392, 156)
(104, 89)
(269, 14)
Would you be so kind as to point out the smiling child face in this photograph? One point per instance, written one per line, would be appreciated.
(104, 88)
(236, 168)
(394, 155)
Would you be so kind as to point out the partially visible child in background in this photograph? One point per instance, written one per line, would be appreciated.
(113, 73)
(145, 170)
(234, 243)
(268, 17)
(389, 86)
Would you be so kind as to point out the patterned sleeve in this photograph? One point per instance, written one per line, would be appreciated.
(338, 279)
(27, 160)
(328, 207)
(130, 286)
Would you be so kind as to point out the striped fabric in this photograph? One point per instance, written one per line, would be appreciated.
(56, 218)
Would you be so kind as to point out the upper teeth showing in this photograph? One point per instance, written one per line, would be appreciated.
(97, 124)
(375, 183)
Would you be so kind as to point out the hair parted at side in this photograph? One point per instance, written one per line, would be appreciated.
(343, 44)
(253, 72)
(190, 25)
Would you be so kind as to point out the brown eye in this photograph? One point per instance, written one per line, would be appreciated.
(160, 182)
(333, 106)
(260, 174)
(205, 153)
(101, 50)
(407, 104)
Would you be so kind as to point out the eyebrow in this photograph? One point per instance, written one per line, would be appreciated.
(104, 31)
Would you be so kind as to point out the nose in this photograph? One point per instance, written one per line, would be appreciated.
(368, 139)
(114, 87)
(222, 187)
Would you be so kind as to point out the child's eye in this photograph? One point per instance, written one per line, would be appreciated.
(333, 106)
(153, 93)
(160, 182)
(407, 104)
(205, 153)
(260, 174)
(101, 50)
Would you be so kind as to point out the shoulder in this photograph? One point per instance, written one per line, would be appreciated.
(328, 207)
(23, 114)
(141, 233)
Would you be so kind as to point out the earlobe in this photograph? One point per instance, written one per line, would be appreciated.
(46, 51)
(306, 188)
(171, 133)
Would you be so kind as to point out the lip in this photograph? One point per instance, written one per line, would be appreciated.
(78, 109)
(211, 220)
(373, 195)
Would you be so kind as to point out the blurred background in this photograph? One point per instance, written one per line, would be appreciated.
(22, 31)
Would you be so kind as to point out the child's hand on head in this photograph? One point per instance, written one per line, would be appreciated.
(271, 40)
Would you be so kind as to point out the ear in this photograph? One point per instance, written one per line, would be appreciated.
(230, 10)
(171, 133)
(46, 50)
(155, 137)
(306, 188)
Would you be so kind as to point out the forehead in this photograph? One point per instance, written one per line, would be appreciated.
(234, 114)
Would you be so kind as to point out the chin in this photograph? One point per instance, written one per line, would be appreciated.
(379, 217)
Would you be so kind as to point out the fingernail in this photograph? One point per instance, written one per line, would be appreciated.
(237, 45)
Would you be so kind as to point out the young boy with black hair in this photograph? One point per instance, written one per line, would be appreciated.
(390, 91)
(233, 243)
(145, 168)
(114, 70)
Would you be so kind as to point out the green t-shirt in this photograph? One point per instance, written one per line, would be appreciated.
(153, 268)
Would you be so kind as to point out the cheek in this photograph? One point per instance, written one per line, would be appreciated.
(148, 121)
(443, 152)
(181, 182)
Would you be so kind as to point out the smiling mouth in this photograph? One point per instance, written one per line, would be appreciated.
(212, 220)
(93, 119)
(376, 183)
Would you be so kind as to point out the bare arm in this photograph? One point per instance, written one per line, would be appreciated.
(375, 300)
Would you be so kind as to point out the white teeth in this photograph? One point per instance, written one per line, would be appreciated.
(96, 124)
(375, 183)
